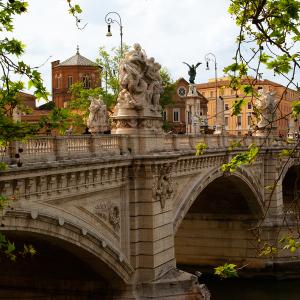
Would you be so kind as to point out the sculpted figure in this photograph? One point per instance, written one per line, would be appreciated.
(140, 80)
(192, 71)
(98, 120)
(155, 83)
(266, 105)
(164, 187)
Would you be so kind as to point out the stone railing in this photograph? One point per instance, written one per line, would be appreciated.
(46, 149)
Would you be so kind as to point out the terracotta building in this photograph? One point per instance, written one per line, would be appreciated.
(74, 69)
(174, 114)
(244, 122)
(179, 112)
(35, 114)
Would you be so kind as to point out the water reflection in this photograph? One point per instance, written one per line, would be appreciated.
(253, 289)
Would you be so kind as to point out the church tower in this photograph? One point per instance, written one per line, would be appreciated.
(74, 69)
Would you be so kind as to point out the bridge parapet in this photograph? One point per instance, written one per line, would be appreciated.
(57, 148)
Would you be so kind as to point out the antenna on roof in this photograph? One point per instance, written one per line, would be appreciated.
(77, 49)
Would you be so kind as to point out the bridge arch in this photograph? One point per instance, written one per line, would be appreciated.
(212, 224)
(95, 254)
(290, 179)
(241, 175)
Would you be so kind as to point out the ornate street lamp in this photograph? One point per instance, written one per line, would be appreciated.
(210, 57)
(109, 20)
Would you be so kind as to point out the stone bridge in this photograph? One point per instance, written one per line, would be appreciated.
(112, 216)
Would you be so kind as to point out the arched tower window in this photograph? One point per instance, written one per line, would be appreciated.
(86, 79)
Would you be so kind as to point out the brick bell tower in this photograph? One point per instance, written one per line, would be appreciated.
(74, 69)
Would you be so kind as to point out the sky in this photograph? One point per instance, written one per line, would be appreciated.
(171, 31)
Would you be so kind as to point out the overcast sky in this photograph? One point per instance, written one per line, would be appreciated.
(172, 31)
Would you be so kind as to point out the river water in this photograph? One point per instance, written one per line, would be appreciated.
(253, 289)
(259, 288)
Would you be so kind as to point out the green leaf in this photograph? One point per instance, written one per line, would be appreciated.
(201, 147)
(237, 107)
(244, 158)
(226, 271)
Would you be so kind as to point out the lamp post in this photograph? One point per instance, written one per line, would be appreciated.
(109, 20)
(210, 57)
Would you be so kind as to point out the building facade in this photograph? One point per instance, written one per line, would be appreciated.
(174, 113)
(245, 121)
(75, 69)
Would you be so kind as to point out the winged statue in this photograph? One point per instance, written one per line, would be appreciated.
(192, 71)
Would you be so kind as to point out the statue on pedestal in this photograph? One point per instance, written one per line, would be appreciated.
(138, 107)
(192, 71)
(98, 119)
(266, 104)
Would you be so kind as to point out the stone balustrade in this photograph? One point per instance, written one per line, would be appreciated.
(57, 148)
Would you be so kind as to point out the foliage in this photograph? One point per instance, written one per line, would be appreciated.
(268, 250)
(285, 152)
(226, 271)
(237, 107)
(10, 52)
(110, 63)
(80, 98)
(9, 249)
(290, 243)
(200, 147)
(59, 118)
(239, 159)
(3, 202)
(269, 31)
(169, 88)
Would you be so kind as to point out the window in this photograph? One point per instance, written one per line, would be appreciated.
(176, 115)
(86, 79)
(70, 81)
(239, 121)
(226, 106)
(211, 94)
(249, 120)
(226, 121)
(165, 115)
(58, 81)
(203, 94)
(249, 105)
(189, 117)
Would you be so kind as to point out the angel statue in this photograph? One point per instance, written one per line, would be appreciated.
(192, 71)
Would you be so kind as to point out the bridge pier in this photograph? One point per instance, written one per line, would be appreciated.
(152, 237)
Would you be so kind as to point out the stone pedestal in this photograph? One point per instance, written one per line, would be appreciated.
(196, 111)
(137, 122)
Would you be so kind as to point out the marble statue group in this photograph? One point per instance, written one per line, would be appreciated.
(140, 81)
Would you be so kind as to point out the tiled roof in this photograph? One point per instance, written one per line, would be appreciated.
(77, 60)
